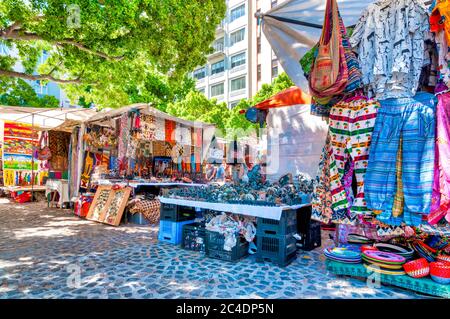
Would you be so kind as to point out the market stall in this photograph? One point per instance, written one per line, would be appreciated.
(382, 84)
(28, 137)
(140, 149)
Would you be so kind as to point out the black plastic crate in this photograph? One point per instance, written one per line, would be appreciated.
(280, 250)
(214, 247)
(194, 237)
(175, 213)
(285, 226)
(312, 239)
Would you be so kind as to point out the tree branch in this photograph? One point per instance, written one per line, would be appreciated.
(16, 35)
(45, 77)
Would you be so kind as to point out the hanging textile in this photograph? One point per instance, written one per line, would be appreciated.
(440, 206)
(414, 120)
(59, 148)
(160, 130)
(391, 71)
(124, 135)
(147, 127)
(170, 127)
(351, 127)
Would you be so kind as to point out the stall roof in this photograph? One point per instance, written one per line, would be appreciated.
(46, 118)
(291, 96)
(106, 115)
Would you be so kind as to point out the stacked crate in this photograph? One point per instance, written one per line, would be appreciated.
(275, 239)
(215, 247)
(309, 230)
(173, 218)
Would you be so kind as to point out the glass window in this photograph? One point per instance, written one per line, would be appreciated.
(217, 89)
(218, 67)
(237, 36)
(233, 104)
(218, 45)
(237, 12)
(274, 68)
(237, 60)
(200, 73)
(238, 84)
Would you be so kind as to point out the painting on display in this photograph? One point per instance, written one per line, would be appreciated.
(18, 162)
(20, 130)
(19, 146)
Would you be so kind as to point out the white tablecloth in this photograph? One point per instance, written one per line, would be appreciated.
(270, 212)
(60, 186)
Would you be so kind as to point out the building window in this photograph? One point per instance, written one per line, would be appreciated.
(258, 45)
(218, 67)
(238, 12)
(258, 74)
(237, 36)
(217, 89)
(200, 73)
(233, 104)
(274, 68)
(237, 60)
(237, 84)
(218, 45)
(274, 3)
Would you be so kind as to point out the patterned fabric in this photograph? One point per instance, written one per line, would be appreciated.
(321, 197)
(160, 130)
(414, 120)
(354, 71)
(388, 70)
(148, 127)
(399, 198)
(170, 127)
(440, 206)
(149, 208)
(124, 135)
(443, 61)
(351, 127)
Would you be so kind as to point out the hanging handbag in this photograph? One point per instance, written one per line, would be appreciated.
(43, 152)
(329, 73)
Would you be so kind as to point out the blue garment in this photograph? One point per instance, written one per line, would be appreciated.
(414, 120)
(220, 172)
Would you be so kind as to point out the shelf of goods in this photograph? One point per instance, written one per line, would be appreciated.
(421, 285)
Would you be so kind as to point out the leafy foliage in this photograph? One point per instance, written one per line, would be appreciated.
(197, 107)
(22, 94)
(108, 52)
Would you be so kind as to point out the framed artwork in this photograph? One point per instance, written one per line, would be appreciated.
(113, 211)
(108, 205)
(99, 203)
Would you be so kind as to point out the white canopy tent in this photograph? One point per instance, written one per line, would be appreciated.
(294, 27)
(44, 118)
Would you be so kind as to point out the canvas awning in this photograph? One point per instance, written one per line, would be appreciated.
(45, 118)
(291, 96)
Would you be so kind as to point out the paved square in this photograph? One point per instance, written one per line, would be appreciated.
(50, 253)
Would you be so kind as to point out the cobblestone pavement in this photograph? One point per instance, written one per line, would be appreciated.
(50, 253)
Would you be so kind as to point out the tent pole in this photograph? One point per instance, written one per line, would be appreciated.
(32, 161)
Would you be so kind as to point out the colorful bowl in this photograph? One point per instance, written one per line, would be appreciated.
(440, 269)
(364, 248)
(417, 268)
(396, 249)
(383, 257)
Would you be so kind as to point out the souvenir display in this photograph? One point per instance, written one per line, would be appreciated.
(417, 268)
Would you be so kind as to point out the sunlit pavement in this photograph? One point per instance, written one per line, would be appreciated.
(50, 253)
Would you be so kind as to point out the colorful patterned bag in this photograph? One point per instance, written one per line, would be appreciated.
(329, 73)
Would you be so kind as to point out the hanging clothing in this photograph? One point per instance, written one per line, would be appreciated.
(440, 206)
(414, 120)
(389, 39)
(351, 127)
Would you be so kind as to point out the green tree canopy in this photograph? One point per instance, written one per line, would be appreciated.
(22, 94)
(197, 107)
(109, 51)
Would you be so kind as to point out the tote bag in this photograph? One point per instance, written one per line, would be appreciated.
(329, 73)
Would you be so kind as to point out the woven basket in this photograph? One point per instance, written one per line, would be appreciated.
(417, 268)
(440, 269)
(443, 258)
